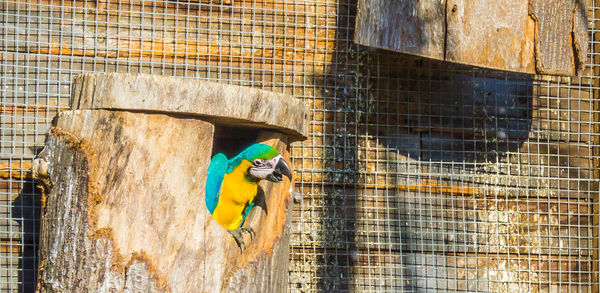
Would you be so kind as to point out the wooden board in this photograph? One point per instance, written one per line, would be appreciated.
(422, 272)
(530, 36)
(496, 34)
(417, 221)
(309, 50)
(414, 27)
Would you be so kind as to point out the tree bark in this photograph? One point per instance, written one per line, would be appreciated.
(124, 210)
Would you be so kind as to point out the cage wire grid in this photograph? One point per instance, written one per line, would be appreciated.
(417, 176)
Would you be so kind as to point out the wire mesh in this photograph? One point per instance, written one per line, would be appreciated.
(417, 175)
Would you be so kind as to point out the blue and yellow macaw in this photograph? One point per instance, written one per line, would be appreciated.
(232, 185)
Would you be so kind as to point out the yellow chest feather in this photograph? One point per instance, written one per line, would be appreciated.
(236, 194)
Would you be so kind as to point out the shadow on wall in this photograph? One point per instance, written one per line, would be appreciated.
(442, 112)
(433, 124)
(386, 114)
(26, 208)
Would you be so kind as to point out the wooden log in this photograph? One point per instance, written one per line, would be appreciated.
(152, 232)
(214, 102)
(125, 210)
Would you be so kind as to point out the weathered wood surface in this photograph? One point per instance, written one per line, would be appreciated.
(561, 37)
(125, 209)
(423, 272)
(495, 34)
(492, 273)
(134, 38)
(420, 221)
(218, 103)
(286, 46)
(16, 170)
(530, 36)
(414, 27)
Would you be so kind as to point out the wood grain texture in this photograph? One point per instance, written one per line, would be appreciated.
(125, 210)
(554, 42)
(15, 170)
(530, 36)
(433, 222)
(494, 34)
(125, 35)
(222, 104)
(580, 37)
(414, 27)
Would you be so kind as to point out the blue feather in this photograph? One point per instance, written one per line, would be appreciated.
(214, 178)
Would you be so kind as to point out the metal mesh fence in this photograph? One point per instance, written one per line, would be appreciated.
(417, 175)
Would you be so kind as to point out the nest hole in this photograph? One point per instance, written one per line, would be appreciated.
(232, 140)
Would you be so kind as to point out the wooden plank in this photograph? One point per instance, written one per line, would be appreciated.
(558, 48)
(422, 272)
(475, 28)
(192, 7)
(10, 264)
(414, 27)
(478, 168)
(15, 170)
(536, 36)
(511, 184)
(257, 39)
(411, 221)
(486, 108)
(46, 110)
(53, 74)
(24, 137)
(566, 93)
(10, 246)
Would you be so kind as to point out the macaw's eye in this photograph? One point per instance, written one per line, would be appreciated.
(257, 163)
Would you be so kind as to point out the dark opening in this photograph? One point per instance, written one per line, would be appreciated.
(232, 140)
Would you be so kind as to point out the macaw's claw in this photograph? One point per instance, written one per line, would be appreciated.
(249, 230)
(238, 235)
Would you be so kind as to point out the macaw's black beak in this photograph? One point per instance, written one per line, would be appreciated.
(282, 168)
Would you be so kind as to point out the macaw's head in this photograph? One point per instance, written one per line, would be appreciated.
(267, 163)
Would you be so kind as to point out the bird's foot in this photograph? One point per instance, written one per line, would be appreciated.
(238, 235)
(248, 230)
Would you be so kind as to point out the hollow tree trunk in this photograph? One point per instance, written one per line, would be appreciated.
(124, 210)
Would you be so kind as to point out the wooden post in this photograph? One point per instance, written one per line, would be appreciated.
(124, 209)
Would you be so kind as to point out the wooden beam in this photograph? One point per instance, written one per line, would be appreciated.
(10, 246)
(414, 27)
(265, 45)
(50, 109)
(453, 272)
(416, 221)
(15, 170)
